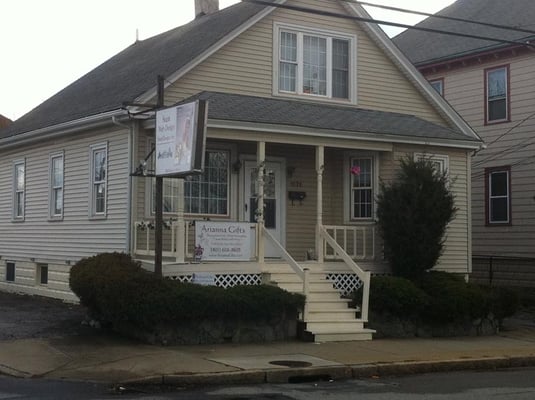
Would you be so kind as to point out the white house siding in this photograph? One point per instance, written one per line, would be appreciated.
(464, 89)
(245, 66)
(61, 243)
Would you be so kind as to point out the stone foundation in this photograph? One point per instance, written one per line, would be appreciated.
(215, 331)
(388, 326)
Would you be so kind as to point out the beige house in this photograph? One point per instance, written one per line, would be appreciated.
(490, 84)
(307, 113)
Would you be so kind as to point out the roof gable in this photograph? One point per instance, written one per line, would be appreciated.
(427, 47)
(133, 71)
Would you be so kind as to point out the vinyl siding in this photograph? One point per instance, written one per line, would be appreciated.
(245, 66)
(455, 257)
(464, 89)
(76, 235)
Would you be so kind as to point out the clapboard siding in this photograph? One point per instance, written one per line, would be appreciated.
(76, 235)
(455, 257)
(245, 65)
(509, 144)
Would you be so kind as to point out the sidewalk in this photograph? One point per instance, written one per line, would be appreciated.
(104, 358)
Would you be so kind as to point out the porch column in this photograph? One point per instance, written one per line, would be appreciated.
(180, 244)
(261, 163)
(319, 206)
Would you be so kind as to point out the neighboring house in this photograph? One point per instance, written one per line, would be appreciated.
(310, 110)
(491, 86)
(4, 122)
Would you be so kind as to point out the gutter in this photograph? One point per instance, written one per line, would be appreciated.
(55, 131)
(129, 185)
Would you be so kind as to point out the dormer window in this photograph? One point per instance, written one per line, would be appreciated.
(314, 63)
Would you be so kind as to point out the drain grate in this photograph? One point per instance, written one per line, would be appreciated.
(291, 363)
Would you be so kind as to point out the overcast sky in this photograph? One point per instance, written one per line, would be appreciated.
(47, 44)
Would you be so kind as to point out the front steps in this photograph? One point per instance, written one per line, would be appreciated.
(327, 317)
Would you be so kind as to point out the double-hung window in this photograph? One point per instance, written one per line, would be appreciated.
(206, 194)
(498, 195)
(19, 190)
(314, 63)
(361, 186)
(98, 180)
(497, 94)
(56, 186)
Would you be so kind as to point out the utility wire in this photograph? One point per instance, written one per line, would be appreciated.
(404, 10)
(504, 134)
(389, 23)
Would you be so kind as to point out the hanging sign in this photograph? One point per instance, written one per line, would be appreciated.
(181, 139)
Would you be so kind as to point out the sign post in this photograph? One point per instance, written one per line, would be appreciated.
(179, 152)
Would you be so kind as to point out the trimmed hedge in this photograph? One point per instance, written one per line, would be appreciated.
(438, 298)
(115, 289)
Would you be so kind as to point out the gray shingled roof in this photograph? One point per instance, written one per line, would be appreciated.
(425, 48)
(240, 108)
(133, 71)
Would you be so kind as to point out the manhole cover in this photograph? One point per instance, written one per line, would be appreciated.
(291, 364)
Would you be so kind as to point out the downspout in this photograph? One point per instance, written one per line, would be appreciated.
(130, 127)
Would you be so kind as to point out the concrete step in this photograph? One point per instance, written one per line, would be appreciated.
(344, 325)
(326, 336)
(326, 305)
(298, 287)
(331, 315)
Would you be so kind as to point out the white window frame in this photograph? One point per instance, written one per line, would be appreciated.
(442, 159)
(52, 215)
(348, 217)
(93, 214)
(489, 173)
(232, 183)
(16, 191)
(329, 35)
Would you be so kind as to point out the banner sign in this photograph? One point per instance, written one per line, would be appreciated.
(180, 139)
(222, 241)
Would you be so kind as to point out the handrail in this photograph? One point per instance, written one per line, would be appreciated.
(289, 259)
(340, 251)
(364, 276)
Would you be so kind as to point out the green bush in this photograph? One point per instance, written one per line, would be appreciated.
(504, 302)
(452, 299)
(395, 296)
(115, 289)
(438, 298)
(413, 212)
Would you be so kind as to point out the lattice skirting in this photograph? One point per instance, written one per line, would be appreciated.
(225, 280)
(344, 283)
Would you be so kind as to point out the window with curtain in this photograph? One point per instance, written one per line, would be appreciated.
(497, 94)
(361, 186)
(314, 64)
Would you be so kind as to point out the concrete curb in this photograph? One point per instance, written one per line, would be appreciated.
(338, 372)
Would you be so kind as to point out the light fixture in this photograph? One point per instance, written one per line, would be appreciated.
(236, 167)
(290, 171)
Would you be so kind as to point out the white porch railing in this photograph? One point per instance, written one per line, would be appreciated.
(173, 245)
(364, 276)
(357, 241)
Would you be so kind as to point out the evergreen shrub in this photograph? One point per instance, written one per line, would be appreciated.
(413, 212)
(116, 289)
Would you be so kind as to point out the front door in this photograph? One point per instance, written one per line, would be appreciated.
(273, 209)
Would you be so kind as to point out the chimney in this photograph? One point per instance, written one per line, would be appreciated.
(205, 7)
